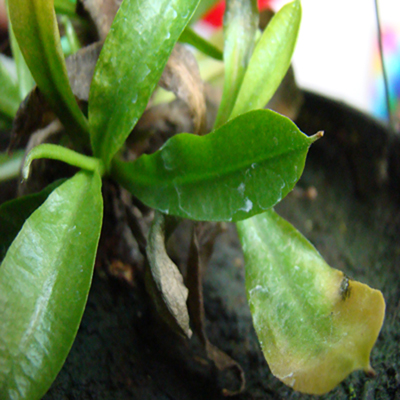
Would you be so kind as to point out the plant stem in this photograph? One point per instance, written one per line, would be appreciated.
(60, 153)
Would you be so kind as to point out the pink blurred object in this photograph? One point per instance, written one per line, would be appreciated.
(215, 16)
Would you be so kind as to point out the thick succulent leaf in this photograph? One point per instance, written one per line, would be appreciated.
(130, 65)
(35, 27)
(270, 60)
(240, 26)
(239, 170)
(44, 283)
(164, 281)
(314, 324)
(13, 214)
(9, 96)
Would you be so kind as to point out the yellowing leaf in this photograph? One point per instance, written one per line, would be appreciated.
(314, 324)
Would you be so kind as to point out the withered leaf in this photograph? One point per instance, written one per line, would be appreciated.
(164, 282)
(162, 121)
(80, 68)
(33, 113)
(203, 238)
(102, 13)
(182, 77)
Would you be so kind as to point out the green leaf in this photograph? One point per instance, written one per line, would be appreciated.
(204, 7)
(270, 60)
(240, 27)
(189, 36)
(314, 324)
(25, 79)
(71, 36)
(10, 166)
(61, 153)
(129, 67)
(66, 7)
(13, 214)
(9, 97)
(35, 27)
(237, 171)
(44, 284)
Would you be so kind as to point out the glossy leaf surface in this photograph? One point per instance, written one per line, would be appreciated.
(240, 27)
(239, 170)
(130, 65)
(35, 27)
(270, 60)
(314, 324)
(44, 283)
(13, 214)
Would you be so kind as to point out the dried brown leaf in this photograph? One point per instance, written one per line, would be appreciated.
(80, 68)
(182, 77)
(33, 113)
(162, 121)
(102, 13)
(203, 239)
(164, 282)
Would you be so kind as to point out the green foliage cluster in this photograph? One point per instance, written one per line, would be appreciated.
(49, 240)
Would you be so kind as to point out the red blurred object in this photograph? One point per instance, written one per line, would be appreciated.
(215, 16)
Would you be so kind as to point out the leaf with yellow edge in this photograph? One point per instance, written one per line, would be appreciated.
(314, 324)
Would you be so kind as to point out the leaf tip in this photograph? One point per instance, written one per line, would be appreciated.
(26, 167)
(317, 136)
(370, 372)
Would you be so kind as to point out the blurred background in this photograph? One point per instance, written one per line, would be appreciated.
(337, 52)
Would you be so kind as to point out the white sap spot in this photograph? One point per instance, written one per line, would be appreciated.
(168, 35)
(134, 98)
(248, 206)
(258, 288)
(254, 165)
(296, 267)
(291, 382)
(144, 73)
(241, 188)
(167, 160)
